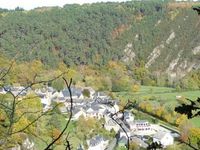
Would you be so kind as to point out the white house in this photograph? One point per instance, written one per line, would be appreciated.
(28, 144)
(45, 100)
(78, 113)
(111, 124)
(128, 116)
(98, 96)
(97, 143)
(76, 93)
(141, 127)
(2, 91)
(112, 109)
(165, 138)
(95, 110)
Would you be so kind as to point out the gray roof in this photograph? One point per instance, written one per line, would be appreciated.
(159, 135)
(76, 110)
(96, 140)
(7, 88)
(50, 89)
(95, 106)
(75, 92)
(41, 95)
(99, 94)
(61, 99)
(127, 114)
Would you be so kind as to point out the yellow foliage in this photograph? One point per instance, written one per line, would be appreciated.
(181, 119)
(168, 117)
(113, 65)
(142, 105)
(148, 107)
(122, 103)
(135, 88)
(56, 133)
(23, 122)
(160, 111)
(173, 14)
(194, 134)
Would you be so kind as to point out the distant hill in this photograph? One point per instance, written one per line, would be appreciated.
(165, 36)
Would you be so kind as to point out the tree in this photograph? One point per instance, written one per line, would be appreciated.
(133, 146)
(194, 136)
(20, 120)
(191, 110)
(189, 134)
(184, 127)
(86, 93)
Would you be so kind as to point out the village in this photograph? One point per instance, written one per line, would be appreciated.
(98, 105)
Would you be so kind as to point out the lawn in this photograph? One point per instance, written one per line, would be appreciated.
(164, 95)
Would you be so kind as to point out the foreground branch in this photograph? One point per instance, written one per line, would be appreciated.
(70, 116)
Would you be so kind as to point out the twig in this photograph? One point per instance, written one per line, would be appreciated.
(8, 70)
(70, 116)
(129, 104)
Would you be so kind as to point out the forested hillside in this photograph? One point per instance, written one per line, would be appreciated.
(149, 38)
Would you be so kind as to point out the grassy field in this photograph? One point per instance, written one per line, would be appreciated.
(164, 95)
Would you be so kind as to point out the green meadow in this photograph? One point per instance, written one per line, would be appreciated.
(164, 95)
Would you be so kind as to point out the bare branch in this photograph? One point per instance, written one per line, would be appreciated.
(44, 113)
(39, 82)
(41, 139)
(128, 105)
(7, 71)
(26, 98)
(29, 112)
(70, 116)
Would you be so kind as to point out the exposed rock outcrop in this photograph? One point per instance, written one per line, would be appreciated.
(196, 50)
(129, 55)
(155, 54)
(171, 37)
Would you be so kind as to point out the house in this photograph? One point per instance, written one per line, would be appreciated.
(18, 90)
(99, 96)
(46, 101)
(76, 103)
(77, 112)
(97, 143)
(112, 108)
(28, 144)
(76, 93)
(95, 110)
(128, 116)
(111, 124)
(63, 109)
(141, 127)
(165, 138)
(2, 91)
